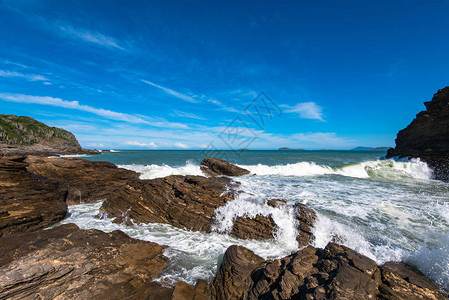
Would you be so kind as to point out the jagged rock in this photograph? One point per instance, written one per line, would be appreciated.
(28, 202)
(263, 227)
(216, 167)
(69, 263)
(186, 202)
(233, 276)
(24, 135)
(401, 281)
(260, 228)
(427, 136)
(86, 181)
(306, 218)
(336, 272)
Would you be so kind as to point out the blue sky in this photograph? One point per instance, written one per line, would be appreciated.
(175, 74)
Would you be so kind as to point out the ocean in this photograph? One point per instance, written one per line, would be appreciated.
(384, 209)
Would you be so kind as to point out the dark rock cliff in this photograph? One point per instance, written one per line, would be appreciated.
(427, 136)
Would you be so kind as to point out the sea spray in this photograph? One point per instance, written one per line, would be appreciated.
(385, 209)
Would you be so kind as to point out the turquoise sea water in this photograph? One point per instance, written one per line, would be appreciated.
(385, 209)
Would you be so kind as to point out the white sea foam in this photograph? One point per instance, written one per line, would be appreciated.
(155, 171)
(371, 169)
(193, 255)
(397, 215)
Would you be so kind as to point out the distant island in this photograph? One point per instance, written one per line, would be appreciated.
(286, 148)
(370, 149)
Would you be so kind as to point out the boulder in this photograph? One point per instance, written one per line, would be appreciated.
(336, 272)
(427, 136)
(186, 202)
(233, 277)
(215, 167)
(66, 262)
(86, 181)
(28, 202)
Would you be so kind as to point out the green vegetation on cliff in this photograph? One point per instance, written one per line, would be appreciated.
(21, 130)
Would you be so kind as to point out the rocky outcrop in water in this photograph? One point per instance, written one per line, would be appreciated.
(264, 227)
(186, 202)
(24, 135)
(427, 136)
(69, 263)
(215, 167)
(336, 272)
(86, 181)
(28, 202)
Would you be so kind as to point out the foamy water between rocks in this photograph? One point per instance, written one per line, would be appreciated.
(384, 209)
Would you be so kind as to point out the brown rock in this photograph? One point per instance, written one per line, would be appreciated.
(183, 291)
(335, 273)
(183, 201)
(233, 277)
(28, 202)
(260, 228)
(86, 181)
(427, 136)
(306, 218)
(263, 227)
(216, 167)
(68, 263)
(400, 281)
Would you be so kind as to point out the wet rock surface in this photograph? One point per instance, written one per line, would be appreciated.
(336, 272)
(86, 181)
(69, 263)
(215, 167)
(427, 136)
(264, 227)
(28, 202)
(186, 202)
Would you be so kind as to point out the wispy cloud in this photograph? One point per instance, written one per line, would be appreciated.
(223, 106)
(181, 145)
(139, 144)
(89, 37)
(176, 94)
(306, 110)
(183, 114)
(109, 114)
(30, 77)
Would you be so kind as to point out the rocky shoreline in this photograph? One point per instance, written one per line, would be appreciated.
(427, 136)
(67, 262)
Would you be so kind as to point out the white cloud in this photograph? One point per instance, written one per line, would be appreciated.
(30, 77)
(223, 106)
(90, 37)
(306, 110)
(183, 114)
(181, 145)
(45, 100)
(135, 143)
(172, 92)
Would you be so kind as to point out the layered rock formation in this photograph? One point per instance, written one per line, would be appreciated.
(215, 167)
(68, 263)
(336, 272)
(28, 202)
(86, 181)
(24, 135)
(264, 227)
(427, 136)
(187, 202)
